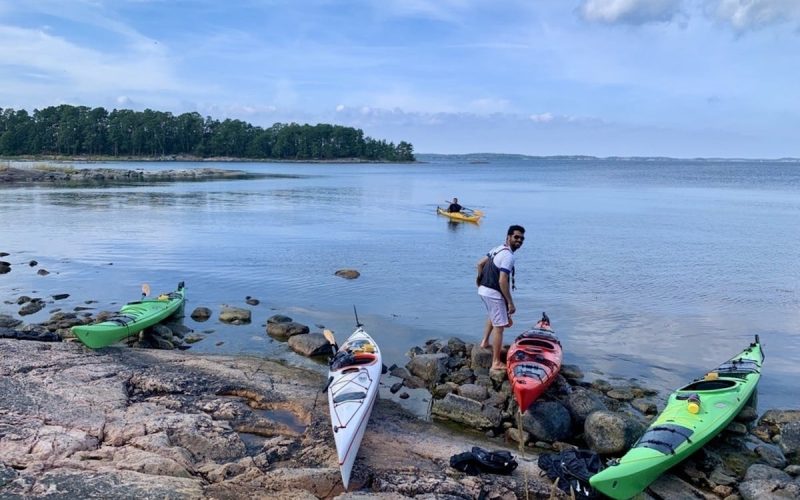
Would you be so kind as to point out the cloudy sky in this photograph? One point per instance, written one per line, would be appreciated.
(682, 78)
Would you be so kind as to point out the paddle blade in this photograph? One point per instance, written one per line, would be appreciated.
(329, 336)
(145, 289)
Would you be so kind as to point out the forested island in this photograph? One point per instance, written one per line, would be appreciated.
(80, 131)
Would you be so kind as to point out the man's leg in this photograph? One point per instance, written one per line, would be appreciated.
(497, 348)
(487, 330)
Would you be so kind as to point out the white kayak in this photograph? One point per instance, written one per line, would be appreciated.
(355, 372)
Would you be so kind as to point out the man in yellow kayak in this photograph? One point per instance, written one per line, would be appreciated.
(495, 281)
(454, 206)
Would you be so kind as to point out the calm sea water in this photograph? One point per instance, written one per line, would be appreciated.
(653, 270)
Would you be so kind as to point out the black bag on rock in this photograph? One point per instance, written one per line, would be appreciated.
(479, 460)
(572, 468)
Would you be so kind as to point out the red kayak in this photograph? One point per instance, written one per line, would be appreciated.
(533, 362)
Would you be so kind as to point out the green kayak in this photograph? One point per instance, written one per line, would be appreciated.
(694, 414)
(131, 319)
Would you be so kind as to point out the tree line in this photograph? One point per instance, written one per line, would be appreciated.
(67, 130)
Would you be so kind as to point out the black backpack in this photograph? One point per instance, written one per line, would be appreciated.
(572, 468)
(479, 460)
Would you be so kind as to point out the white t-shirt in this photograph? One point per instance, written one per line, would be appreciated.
(505, 262)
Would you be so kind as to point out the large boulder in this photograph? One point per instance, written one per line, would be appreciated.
(582, 402)
(611, 433)
(311, 344)
(284, 330)
(547, 421)
(790, 438)
(481, 359)
(234, 315)
(428, 367)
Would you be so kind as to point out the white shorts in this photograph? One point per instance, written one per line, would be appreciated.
(497, 309)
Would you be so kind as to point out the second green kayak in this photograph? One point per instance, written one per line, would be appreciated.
(131, 319)
(694, 414)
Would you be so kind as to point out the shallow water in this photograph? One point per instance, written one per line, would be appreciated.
(654, 270)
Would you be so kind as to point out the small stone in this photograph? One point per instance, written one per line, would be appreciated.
(349, 274)
(396, 387)
(252, 301)
(404, 395)
(42, 272)
(33, 263)
(60, 296)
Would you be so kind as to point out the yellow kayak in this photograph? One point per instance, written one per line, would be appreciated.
(474, 216)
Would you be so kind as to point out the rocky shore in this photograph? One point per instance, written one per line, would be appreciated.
(60, 175)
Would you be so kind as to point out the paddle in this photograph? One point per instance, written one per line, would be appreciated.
(145, 290)
(332, 341)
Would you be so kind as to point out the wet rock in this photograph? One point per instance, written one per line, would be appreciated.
(581, 403)
(737, 428)
(282, 331)
(201, 314)
(473, 391)
(602, 385)
(760, 489)
(645, 406)
(466, 411)
(547, 421)
(463, 375)
(234, 315)
(311, 344)
(670, 487)
(443, 390)
(513, 434)
(774, 417)
(7, 321)
(278, 318)
(610, 433)
(457, 346)
(42, 272)
(60, 296)
(792, 470)
(5, 267)
(621, 394)
(771, 455)
(396, 387)
(481, 359)
(571, 372)
(32, 307)
(349, 274)
(33, 263)
(761, 471)
(790, 438)
(429, 367)
(747, 415)
(23, 299)
(251, 301)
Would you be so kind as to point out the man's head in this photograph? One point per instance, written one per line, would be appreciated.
(515, 236)
(455, 200)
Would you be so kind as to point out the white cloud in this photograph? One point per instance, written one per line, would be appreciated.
(340, 108)
(750, 14)
(630, 11)
(542, 117)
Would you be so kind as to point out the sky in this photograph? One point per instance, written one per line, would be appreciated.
(679, 78)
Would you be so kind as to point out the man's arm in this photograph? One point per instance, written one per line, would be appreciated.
(505, 289)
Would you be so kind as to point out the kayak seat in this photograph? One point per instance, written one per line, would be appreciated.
(349, 396)
(708, 385)
(535, 343)
(363, 359)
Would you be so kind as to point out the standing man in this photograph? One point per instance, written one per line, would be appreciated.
(495, 281)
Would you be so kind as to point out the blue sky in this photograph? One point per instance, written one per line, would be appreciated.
(681, 78)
